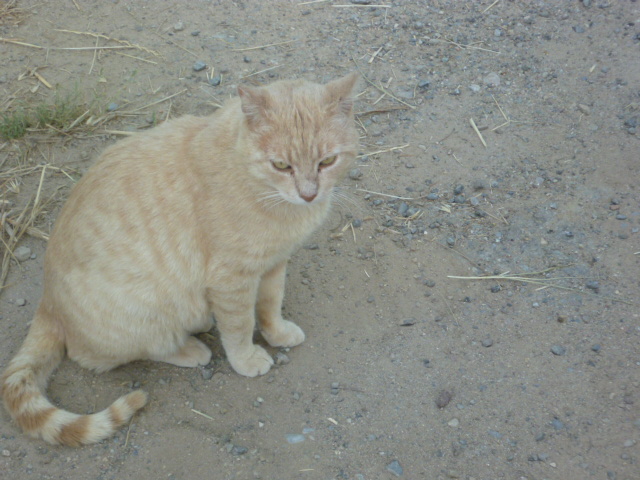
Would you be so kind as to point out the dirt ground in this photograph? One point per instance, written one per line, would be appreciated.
(406, 372)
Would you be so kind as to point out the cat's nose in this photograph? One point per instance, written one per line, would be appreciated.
(308, 197)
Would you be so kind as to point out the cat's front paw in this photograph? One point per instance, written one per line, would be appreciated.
(252, 362)
(284, 334)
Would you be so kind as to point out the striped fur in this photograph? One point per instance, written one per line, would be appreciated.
(26, 377)
(147, 248)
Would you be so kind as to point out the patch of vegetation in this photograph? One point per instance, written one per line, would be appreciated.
(61, 115)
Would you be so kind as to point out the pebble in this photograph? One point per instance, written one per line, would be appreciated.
(395, 468)
(21, 302)
(495, 434)
(238, 450)
(593, 285)
(294, 438)
(215, 81)
(207, 373)
(584, 109)
(475, 88)
(112, 107)
(6, 453)
(557, 424)
(424, 84)
(355, 174)
(458, 189)
(596, 347)
(487, 342)
(578, 29)
(22, 253)
(199, 66)
(178, 27)
(454, 422)
(492, 80)
(281, 359)
(558, 350)
(443, 398)
(451, 241)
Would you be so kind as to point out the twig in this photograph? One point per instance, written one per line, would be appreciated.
(246, 49)
(383, 151)
(384, 194)
(202, 414)
(490, 6)
(24, 44)
(380, 88)
(547, 283)
(260, 71)
(475, 128)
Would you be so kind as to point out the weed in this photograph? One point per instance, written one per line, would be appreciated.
(14, 125)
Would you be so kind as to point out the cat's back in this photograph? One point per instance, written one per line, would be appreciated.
(120, 208)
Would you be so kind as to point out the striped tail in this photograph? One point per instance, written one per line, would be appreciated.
(25, 380)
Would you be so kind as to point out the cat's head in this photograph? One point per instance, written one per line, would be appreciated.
(303, 135)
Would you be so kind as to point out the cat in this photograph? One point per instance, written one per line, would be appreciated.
(194, 218)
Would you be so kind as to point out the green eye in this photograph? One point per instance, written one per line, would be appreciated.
(280, 165)
(328, 161)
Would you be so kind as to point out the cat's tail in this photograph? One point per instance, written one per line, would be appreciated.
(25, 380)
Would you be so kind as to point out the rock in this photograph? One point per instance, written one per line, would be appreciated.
(454, 422)
(199, 66)
(215, 81)
(178, 26)
(558, 350)
(593, 285)
(395, 468)
(207, 373)
(487, 342)
(238, 450)
(294, 438)
(21, 302)
(443, 398)
(22, 253)
(492, 79)
(584, 109)
(355, 174)
(281, 359)
(112, 107)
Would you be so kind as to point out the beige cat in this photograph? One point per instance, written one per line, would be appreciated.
(193, 218)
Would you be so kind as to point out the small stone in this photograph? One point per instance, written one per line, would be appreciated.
(207, 373)
(496, 289)
(578, 29)
(112, 107)
(395, 468)
(294, 438)
(199, 66)
(22, 253)
(195, 33)
(584, 109)
(454, 422)
(557, 424)
(215, 81)
(492, 80)
(558, 350)
(443, 398)
(593, 285)
(6, 453)
(495, 434)
(487, 342)
(596, 348)
(335, 385)
(281, 359)
(458, 189)
(355, 174)
(451, 241)
(238, 450)
(178, 26)
(475, 88)
(21, 302)
(424, 84)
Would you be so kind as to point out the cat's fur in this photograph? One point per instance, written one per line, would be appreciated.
(193, 218)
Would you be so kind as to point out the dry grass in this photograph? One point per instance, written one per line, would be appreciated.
(10, 12)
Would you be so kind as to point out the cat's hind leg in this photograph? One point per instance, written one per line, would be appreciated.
(192, 354)
(275, 330)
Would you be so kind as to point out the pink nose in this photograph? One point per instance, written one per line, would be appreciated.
(308, 197)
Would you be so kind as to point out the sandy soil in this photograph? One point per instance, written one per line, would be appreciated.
(406, 372)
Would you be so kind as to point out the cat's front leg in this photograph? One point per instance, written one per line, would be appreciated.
(275, 330)
(234, 311)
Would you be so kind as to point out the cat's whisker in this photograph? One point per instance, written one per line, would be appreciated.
(345, 200)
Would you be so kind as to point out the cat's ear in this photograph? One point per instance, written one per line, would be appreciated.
(341, 91)
(255, 102)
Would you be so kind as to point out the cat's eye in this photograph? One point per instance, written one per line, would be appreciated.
(280, 165)
(328, 161)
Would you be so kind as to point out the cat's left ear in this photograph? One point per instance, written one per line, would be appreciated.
(341, 90)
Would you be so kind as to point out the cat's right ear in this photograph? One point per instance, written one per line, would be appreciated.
(255, 102)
